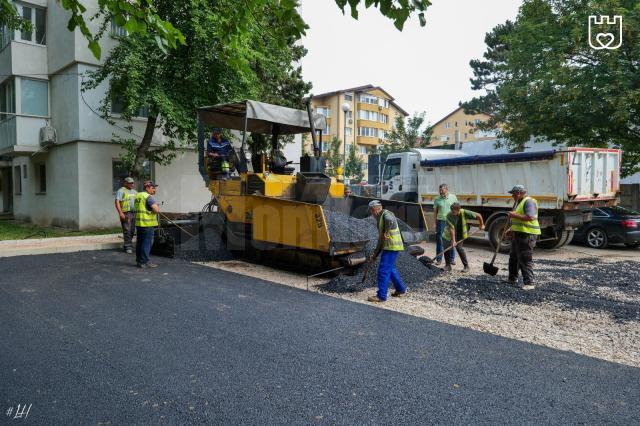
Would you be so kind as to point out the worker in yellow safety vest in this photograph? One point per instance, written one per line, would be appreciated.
(147, 210)
(524, 233)
(389, 244)
(124, 206)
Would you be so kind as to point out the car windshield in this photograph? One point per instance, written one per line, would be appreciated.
(621, 211)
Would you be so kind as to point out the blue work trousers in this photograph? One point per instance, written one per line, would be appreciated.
(440, 226)
(143, 244)
(387, 272)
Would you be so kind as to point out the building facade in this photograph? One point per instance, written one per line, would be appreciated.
(58, 165)
(367, 123)
(457, 128)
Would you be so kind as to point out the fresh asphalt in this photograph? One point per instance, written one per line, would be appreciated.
(86, 338)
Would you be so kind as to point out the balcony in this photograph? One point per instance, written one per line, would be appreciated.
(20, 135)
(21, 58)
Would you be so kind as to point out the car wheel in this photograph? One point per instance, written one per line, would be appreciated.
(632, 245)
(597, 238)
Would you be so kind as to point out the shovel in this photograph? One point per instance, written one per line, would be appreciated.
(488, 268)
(429, 260)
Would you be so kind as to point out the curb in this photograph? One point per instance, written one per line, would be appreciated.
(12, 248)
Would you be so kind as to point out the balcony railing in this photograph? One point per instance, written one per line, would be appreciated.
(8, 132)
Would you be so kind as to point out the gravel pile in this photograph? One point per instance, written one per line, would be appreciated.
(344, 228)
(592, 285)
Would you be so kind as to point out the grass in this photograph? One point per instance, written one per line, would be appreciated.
(15, 230)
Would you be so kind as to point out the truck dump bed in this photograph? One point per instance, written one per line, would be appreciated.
(567, 179)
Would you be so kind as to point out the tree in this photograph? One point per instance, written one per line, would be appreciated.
(142, 17)
(204, 71)
(408, 135)
(543, 80)
(353, 167)
(334, 156)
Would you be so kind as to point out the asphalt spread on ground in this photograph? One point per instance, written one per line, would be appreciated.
(88, 338)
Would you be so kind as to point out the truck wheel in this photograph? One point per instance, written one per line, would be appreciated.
(495, 233)
(560, 240)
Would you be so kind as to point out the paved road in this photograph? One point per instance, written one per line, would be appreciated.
(87, 338)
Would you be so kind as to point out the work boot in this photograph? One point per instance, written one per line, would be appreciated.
(151, 265)
(374, 299)
(398, 294)
(510, 282)
(528, 287)
(447, 267)
(466, 269)
(128, 251)
(438, 262)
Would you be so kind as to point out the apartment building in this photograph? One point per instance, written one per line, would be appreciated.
(367, 123)
(457, 127)
(58, 165)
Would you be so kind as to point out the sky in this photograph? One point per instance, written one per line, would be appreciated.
(423, 68)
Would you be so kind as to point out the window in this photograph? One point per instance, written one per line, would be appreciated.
(7, 100)
(117, 30)
(35, 97)
(444, 138)
(477, 121)
(368, 99)
(391, 168)
(347, 148)
(325, 146)
(368, 115)
(383, 103)
(24, 171)
(455, 124)
(349, 115)
(117, 107)
(348, 96)
(42, 178)
(363, 149)
(384, 118)
(347, 131)
(5, 36)
(465, 135)
(446, 125)
(38, 19)
(17, 180)
(382, 134)
(119, 172)
(326, 131)
(323, 111)
(368, 131)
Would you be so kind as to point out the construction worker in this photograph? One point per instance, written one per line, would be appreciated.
(124, 205)
(441, 208)
(147, 210)
(456, 232)
(347, 191)
(389, 244)
(524, 233)
(219, 152)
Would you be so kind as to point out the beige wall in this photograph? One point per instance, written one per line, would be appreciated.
(462, 124)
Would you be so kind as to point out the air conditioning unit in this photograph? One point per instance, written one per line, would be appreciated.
(48, 136)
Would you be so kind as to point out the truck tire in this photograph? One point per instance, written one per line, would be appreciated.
(561, 240)
(496, 229)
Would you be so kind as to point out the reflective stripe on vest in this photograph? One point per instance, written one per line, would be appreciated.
(526, 226)
(447, 231)
(144, 217)
(225, 166)
(394, 242)
(124, 203)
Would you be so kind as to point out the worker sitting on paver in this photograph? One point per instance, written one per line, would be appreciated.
(441, 208)
(219, 152)
(147, 211)
(124, 206)
(524, 233)
(456, 232)
(389, 244)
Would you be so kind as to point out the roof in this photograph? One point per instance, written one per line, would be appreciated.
(261, 117)
(486, 159)
(430, 154)
(453, 112)
(363, 89)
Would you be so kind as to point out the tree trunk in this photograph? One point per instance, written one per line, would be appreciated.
(143, 148)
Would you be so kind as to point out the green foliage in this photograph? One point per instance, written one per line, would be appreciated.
(396, 10)
(204, 71)
(408, 135)
(542, 78)
(353, 167)
(333, 155)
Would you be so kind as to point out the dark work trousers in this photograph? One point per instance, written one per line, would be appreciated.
(440, 225)
(128, 229)
(143, 244)
(449, 256)
(521, 256)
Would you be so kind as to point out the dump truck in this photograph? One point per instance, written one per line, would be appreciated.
(267, 211)
(566, 183)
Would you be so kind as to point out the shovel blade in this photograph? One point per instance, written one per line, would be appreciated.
(490, 269)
